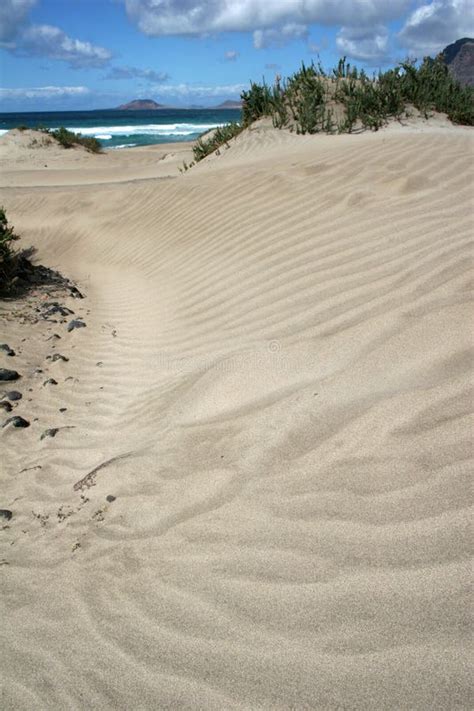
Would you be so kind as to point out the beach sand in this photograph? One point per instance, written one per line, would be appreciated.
(274, 384)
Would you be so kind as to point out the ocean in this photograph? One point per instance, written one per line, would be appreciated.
(124, 129)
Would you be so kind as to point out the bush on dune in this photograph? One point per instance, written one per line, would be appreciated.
(312, 101)
(219, 137)
(8, 256)
(68, 139)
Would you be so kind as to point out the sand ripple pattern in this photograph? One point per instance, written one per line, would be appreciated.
(289, 382)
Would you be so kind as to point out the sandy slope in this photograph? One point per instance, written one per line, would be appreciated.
(283, 423)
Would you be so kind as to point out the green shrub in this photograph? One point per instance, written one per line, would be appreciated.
(311, 100)
(220, 136)
(68, 139)
(8, 257)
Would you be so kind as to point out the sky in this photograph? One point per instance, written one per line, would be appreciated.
(58, 55)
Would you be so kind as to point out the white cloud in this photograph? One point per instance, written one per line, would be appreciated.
(51, 42)
(193, 91)
(278, 37)
(13, 14)
(44, 92)
(434, 25)
(231, 55)
(196, 17)
(137, 73)
(368, 44)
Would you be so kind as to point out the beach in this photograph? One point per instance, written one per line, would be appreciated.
(258, 493)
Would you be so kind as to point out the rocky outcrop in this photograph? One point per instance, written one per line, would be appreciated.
(459, 56)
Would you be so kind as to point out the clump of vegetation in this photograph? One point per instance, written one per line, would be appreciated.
(312, 101)
(219, 137)
(8, 256)
(68, 139)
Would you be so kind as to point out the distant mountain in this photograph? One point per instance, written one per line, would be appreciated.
(459, 57)
(230, 105)
(141, 105)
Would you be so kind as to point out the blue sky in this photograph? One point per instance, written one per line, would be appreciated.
(85, 54)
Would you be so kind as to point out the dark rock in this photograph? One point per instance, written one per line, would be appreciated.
(13, 395)
(54, 337)
(50, 381)
(110, 498)
(459, 58)
(6, 348)
(5, 513)
(38, 371)
(52, 432)
(75, 293)
(6, 374)
(5, 405)
(62, 409)
(53, 307)
(17, 421)
(57, 356)
(75, 324)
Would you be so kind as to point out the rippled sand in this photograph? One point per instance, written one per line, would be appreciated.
(281, 411)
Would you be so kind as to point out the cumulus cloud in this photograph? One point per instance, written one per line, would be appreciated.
(278, 37)
(51, 42)
(13, 15)
(197, 17)
(231, 55)
(433, 25)
(136, 73)
(368, 44)
(44, 92)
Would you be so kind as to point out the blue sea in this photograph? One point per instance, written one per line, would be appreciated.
(125, 129)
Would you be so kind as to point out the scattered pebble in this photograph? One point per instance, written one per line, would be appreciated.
(57, 356)
(50, 381)
(62, 409)
(16, 421)
(6, 374)
(13, 395)
(5, 405)
(52, 432)
(54, 337)
(6, 514)
(110, 498)
(6, 348)
(75, 324)
(99, 363)
(53, 307)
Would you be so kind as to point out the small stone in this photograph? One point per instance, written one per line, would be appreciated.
(54, 337)
(5, 405)
(62, 409)
(52, 432)
(54, 308)
(50, 381)
(75, 293)
(17, 421)
(75, 324)
(100, 363)
(6, 374)
(6, 514)
(57, 356)
(110, 498)
(38, 371)
(13, 395)
(6, 349)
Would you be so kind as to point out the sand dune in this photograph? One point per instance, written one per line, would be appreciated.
(281, 409)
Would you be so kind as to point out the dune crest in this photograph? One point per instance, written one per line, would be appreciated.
(272, 395)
